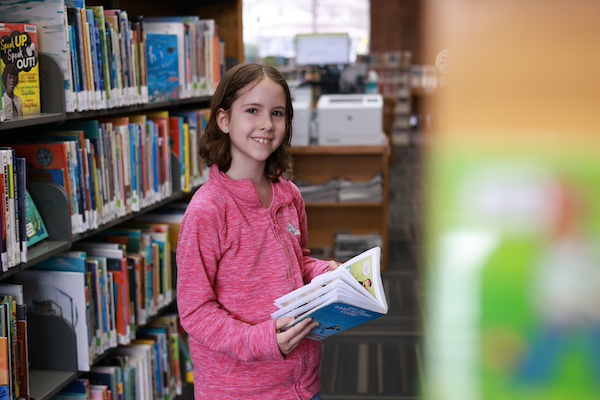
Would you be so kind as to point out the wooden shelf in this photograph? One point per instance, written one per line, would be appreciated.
(320, 164)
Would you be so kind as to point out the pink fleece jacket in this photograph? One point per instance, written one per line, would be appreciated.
(234, 257)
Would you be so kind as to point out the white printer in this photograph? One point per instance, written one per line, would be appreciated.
(350, 119)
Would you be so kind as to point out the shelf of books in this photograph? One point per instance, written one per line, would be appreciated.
(106, 59)
(345, 189)
(100, 122)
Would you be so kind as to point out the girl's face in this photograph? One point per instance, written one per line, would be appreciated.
(255, 124)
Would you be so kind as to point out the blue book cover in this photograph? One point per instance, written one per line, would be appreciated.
(337, 316)
(162, 62)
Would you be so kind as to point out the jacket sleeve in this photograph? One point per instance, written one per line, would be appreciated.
(311, 267)
(202, 317)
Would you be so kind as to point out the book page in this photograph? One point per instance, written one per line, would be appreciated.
(361, 273)
(365, 268)
(312, 299)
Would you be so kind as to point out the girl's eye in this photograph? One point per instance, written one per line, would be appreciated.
(278, 113)
(251, 111)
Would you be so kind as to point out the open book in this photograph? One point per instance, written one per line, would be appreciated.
(339, 300)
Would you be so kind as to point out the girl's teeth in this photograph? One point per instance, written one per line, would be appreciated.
(261, 140)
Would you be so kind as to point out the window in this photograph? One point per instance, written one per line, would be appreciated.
(270, 26)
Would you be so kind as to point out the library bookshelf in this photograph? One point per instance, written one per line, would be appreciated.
(52, 350)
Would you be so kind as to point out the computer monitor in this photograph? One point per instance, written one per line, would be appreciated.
(322, 49)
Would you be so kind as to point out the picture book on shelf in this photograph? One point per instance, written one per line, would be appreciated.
(338, 300)
(20, 70)
(160, 26)
(162, 57)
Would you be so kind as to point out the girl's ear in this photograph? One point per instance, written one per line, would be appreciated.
(223, 120)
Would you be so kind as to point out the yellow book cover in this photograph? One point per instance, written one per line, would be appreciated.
(20, 70)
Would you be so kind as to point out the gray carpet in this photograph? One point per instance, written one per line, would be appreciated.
(383, 359)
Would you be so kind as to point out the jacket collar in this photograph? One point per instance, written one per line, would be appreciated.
(243, 190)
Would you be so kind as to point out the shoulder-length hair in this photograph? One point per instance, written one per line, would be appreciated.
(215, 145)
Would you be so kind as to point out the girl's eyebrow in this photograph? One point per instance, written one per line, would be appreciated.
(261, 105)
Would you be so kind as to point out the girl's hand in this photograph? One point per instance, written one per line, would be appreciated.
(291, 338)
(333, 265)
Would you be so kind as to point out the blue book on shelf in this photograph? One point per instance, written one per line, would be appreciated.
(162, 64)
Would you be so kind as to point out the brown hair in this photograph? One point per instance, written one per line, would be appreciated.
(215, 146)
(10, 70)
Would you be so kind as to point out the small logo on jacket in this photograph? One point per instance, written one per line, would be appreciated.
(292, 230)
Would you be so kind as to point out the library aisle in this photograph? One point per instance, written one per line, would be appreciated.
(383, 359)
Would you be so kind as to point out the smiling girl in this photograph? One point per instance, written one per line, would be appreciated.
(242, 244)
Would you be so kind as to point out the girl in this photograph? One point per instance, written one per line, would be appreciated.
(242, 244)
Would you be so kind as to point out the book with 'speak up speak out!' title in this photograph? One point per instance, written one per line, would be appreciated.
(338, 300)
(20, 70)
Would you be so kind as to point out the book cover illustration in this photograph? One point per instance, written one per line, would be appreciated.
(35, 227)
(163, 70)
(20, 70)
(187, 29)
(157, 25)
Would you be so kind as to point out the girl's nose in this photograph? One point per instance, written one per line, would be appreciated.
(266, 124)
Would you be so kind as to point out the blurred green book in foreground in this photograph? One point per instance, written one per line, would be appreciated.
(513, 273)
